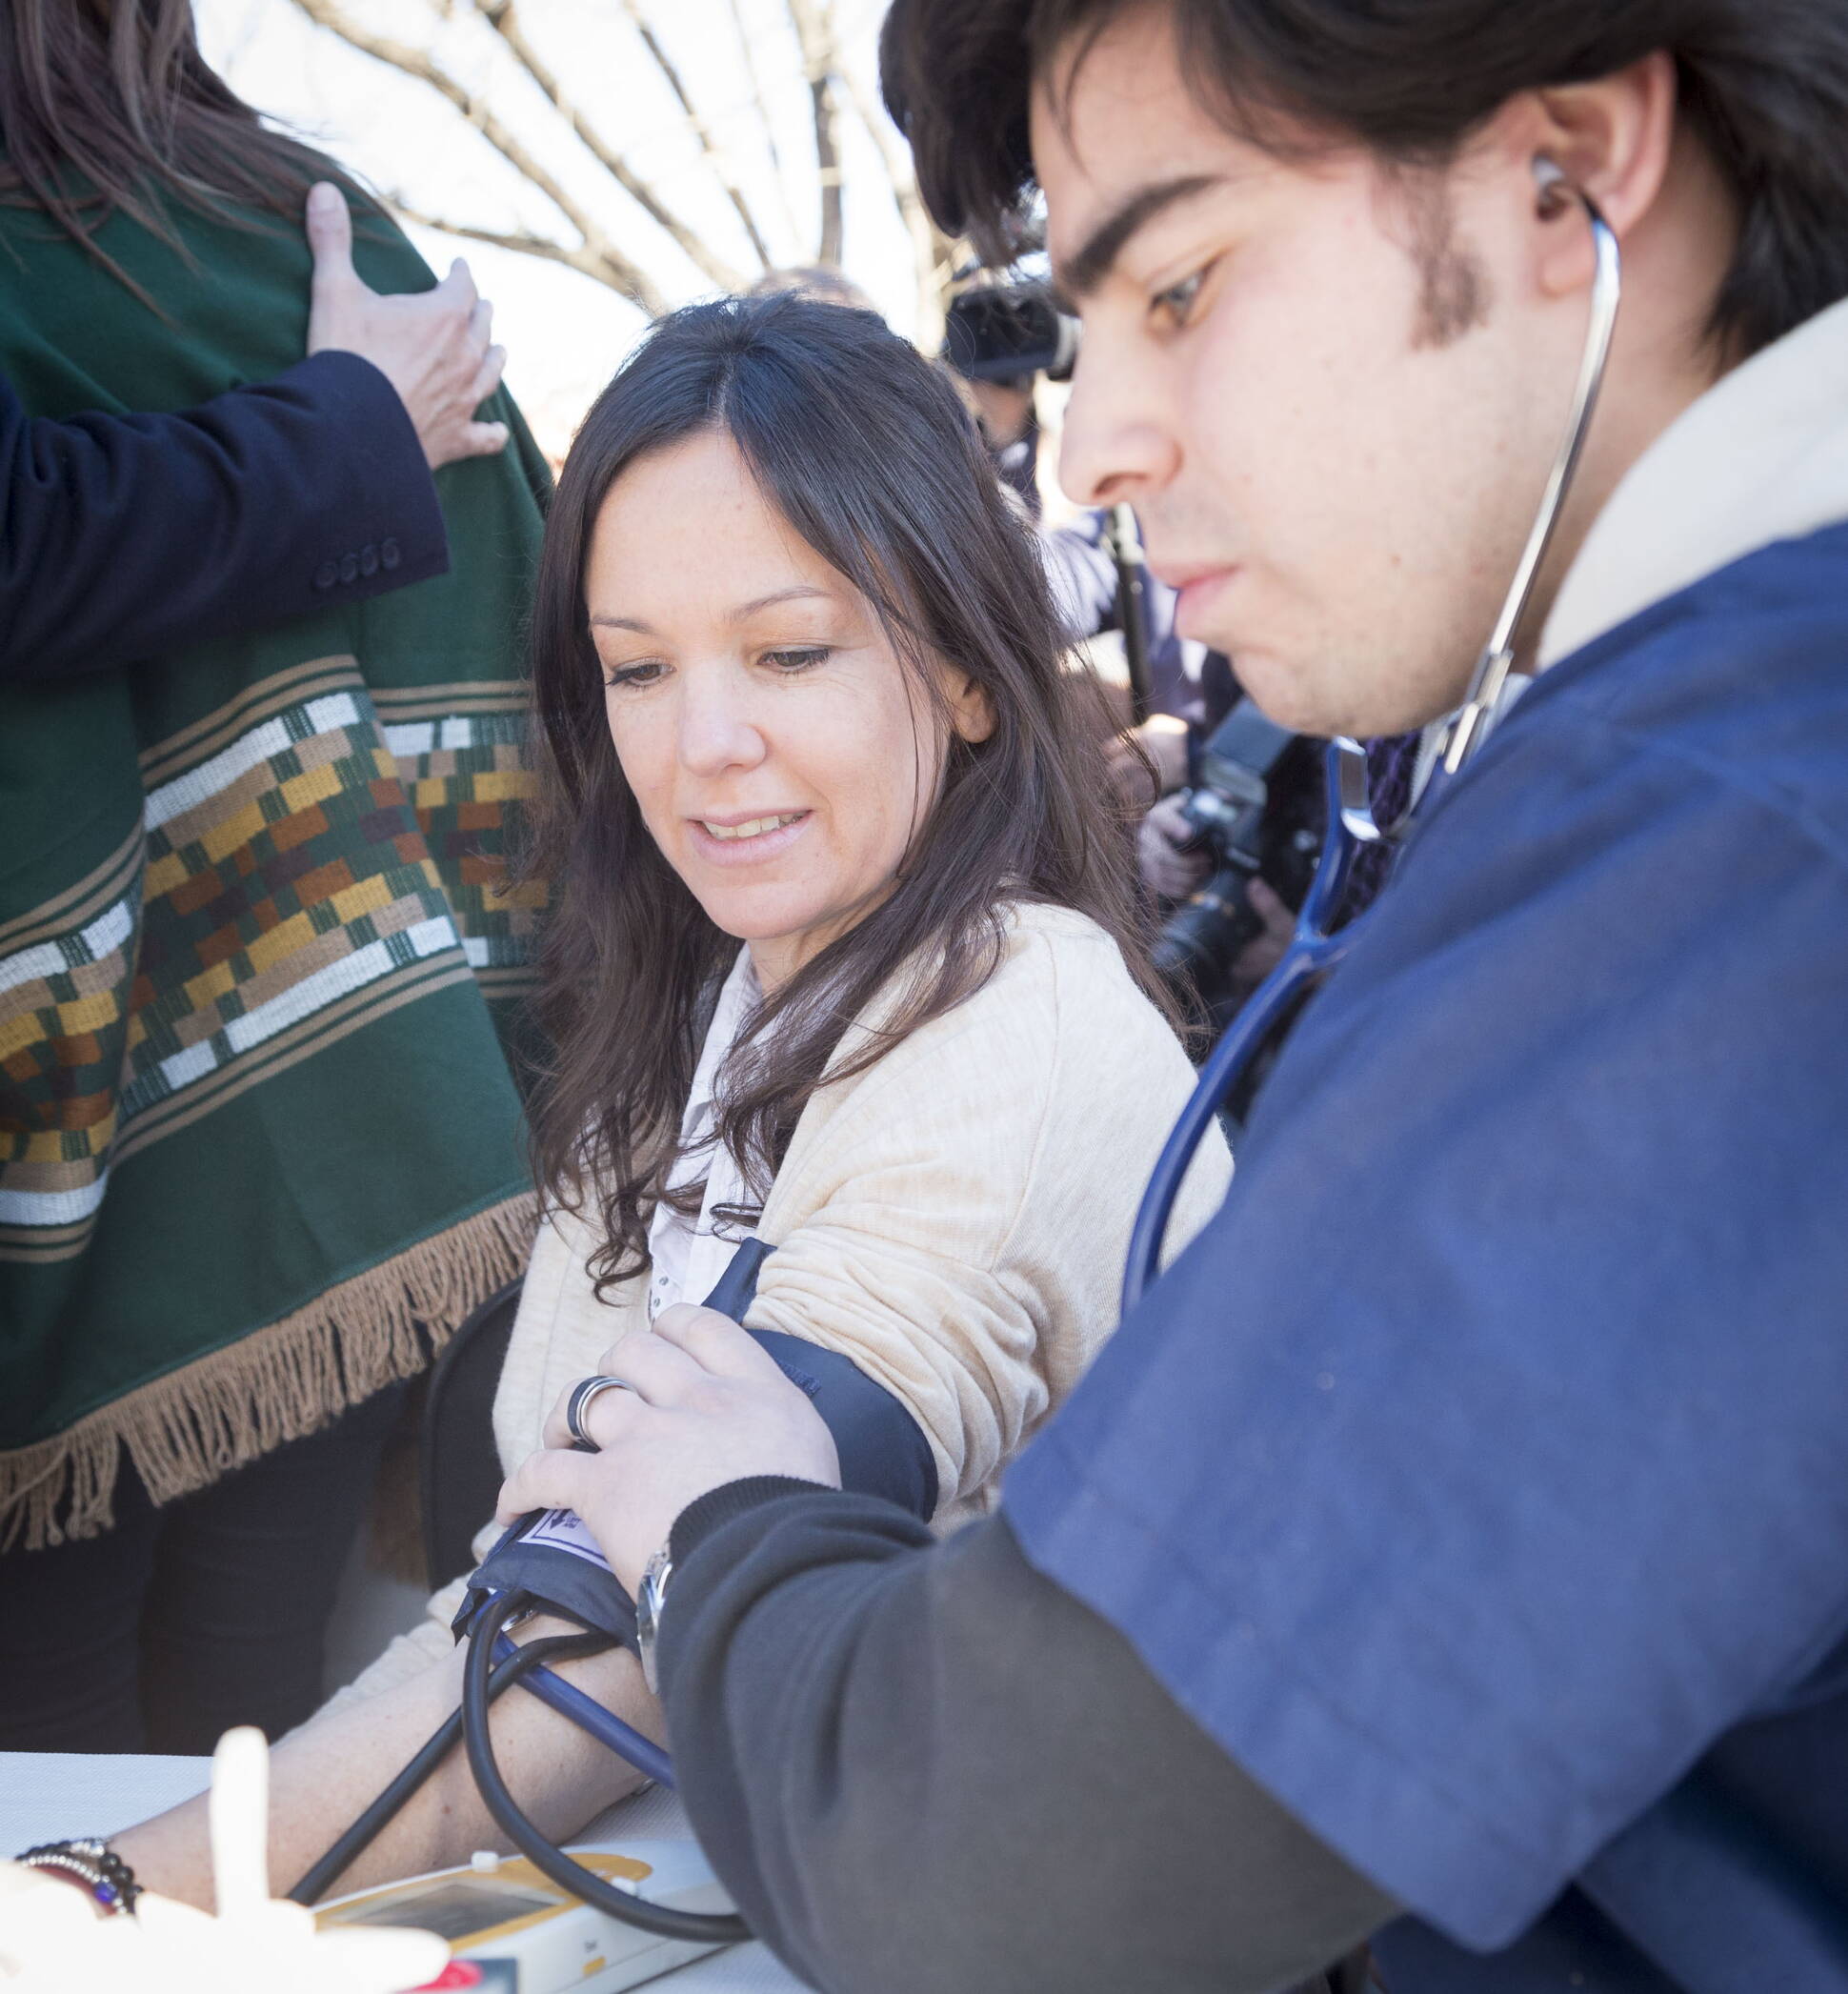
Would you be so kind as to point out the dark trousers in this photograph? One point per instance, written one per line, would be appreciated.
(181, 1621)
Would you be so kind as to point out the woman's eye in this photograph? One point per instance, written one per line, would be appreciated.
(644, 673)
(1178, 301)
(798, 658)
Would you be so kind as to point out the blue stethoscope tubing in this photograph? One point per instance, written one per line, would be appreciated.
(589, 1715)
(1311, 953)
(1314, 952)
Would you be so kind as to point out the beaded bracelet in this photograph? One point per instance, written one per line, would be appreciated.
(91, 1864)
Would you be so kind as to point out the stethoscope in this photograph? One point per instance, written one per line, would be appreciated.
(1317, 946)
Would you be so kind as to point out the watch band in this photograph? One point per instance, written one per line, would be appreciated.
(650, 1597)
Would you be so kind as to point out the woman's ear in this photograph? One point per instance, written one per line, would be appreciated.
(971, 712)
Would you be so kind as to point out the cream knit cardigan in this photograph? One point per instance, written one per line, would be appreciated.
(954, 1219)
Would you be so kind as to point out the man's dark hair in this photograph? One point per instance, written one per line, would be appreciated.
(1763, 82)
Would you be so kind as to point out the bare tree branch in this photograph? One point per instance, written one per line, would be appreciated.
(933, 253)
(618, 271)
(715, 153)
(575, 256)
(500, 16)
(761, 103)
(815, 34)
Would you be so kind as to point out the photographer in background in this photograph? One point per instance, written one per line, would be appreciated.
(998, 338)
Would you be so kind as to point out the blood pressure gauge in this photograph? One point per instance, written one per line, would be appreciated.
(529, 1937)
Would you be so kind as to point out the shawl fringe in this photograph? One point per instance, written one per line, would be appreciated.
(188, 1429)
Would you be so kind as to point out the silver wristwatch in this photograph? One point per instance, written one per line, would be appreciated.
(649, 1598)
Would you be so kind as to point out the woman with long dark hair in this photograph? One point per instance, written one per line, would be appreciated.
(841, 954)
(816, 421)
(259, 1145)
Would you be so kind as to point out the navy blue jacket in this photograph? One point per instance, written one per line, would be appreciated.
(124, 537)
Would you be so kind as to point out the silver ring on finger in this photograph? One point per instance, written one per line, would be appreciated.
(583, 1392)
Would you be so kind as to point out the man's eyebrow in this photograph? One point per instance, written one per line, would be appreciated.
(1090, 264)
(743, 610)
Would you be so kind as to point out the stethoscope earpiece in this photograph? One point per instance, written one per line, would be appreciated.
(1476, 714)
(1556, 191)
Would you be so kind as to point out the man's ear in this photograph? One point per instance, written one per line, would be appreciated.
(1612, 138)
(971, 712)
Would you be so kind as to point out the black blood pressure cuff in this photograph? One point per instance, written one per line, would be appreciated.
(882, 1449)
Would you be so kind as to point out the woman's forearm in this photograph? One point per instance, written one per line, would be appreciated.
(325, 1774)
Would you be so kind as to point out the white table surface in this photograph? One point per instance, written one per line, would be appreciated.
(48, 1796)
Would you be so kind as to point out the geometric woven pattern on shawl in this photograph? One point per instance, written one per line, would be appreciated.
(298, 868)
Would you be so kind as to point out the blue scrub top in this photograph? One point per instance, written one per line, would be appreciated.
(1478, 1479)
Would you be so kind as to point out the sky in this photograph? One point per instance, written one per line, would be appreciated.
(566, 332)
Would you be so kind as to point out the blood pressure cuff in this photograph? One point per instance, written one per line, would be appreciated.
(883, 1452)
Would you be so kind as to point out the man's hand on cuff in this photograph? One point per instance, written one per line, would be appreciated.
(706, 1406)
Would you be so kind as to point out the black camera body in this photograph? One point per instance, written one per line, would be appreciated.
(1006, 331)
(1256, 808)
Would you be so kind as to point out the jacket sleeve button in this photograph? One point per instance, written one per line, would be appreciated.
(389, 554)
(326, 575)
(369, 561)
(349, 567)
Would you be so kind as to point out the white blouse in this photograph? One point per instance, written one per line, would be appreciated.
(689, 1255)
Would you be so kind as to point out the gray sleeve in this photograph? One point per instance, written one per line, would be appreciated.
(924, 1768)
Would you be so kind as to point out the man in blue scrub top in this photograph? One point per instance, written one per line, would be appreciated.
(1452, 1551)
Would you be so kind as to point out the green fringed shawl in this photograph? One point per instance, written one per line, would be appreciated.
(259, 1145)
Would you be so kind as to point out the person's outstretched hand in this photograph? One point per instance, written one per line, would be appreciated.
(707, 1406)
(430, 345)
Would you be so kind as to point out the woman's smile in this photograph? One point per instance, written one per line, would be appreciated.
(732, 839)
(734, 685)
